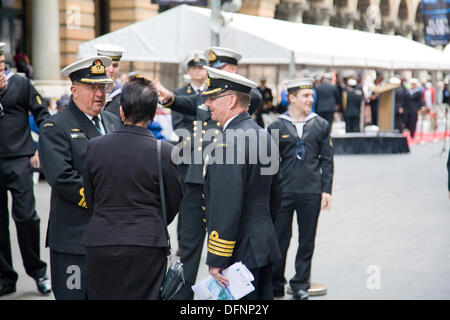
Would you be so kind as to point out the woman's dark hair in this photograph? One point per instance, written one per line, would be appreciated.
(139, 99)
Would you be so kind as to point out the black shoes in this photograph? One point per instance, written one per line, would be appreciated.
(300, 295)
(278, 293)
(44, 285)
(7, 289)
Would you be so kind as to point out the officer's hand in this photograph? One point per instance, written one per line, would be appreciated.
(34, 160)
(164, 94)
(216, 273)
(3, 81)
(326, 201)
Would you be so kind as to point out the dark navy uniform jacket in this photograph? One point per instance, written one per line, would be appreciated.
(19, 98)
(124, 200)
(193, 105)
(352, 103)
(112, 103)
(182, 120)
(63, 143)
(313, 173)
(327, 97)
(241, 204)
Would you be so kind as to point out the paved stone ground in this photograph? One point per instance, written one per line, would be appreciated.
(386, 237)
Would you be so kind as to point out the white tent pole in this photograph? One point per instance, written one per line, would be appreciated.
(215, 22)
(292, 66)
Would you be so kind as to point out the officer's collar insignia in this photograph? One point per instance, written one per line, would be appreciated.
(98, 67)
(212, 56)
(48, 125)
(196, 58)
(189, 90)
(38, 99)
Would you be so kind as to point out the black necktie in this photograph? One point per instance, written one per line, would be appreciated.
(97, 124)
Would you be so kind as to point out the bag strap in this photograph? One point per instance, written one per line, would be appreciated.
(161, 191)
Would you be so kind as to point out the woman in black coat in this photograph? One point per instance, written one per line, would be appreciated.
(126, 256)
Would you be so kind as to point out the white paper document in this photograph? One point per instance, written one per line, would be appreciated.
(239, 285)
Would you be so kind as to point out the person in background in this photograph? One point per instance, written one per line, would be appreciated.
(413, 105)
(113, 96)
(193, 62)
(18, 155)
(307, 175)
(327, 98)
(352, 98)
(126, 254)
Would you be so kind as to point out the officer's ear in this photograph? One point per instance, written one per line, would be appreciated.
(122, 115)
(292, 95)
(74, 90)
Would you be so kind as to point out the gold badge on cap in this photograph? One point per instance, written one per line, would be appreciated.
(212, 56)
(196, 58)
(208, 82)
(98, 67)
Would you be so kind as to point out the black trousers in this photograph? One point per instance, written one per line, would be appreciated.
(327, 115)
(125, 272)
(262, 283)
(411, 122)
(192, 236)
(16, 177)
(352, 123)
(307, 207)
(68, 276)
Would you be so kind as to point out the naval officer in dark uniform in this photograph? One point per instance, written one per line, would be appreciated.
(62, 147)
(18, 97)
(112, 103)
(352, 97)
(242, 200)
(307, 174)
(194, 63)
(193, 209)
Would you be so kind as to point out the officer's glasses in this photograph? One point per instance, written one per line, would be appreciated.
(93, 88)
(217, 97)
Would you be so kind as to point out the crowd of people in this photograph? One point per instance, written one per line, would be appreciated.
(98, 153)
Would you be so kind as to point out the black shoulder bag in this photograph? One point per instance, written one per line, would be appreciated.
(174, 279)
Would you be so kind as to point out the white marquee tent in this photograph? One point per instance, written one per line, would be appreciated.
(169, 36)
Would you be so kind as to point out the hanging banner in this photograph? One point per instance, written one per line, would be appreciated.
(176, 2)
(436, 18)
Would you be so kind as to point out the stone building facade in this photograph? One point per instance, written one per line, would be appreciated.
(50, 31)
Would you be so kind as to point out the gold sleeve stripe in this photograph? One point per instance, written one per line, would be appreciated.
(221, 245)
(170, 102)
(213, 246)
(219, 253)
(214, 235)
(82, 202)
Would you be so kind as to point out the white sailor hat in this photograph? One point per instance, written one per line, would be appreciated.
(395, 80)
(194, 58)
(352, 82)
(218, 57)
(90, 70)
(2, 48)
(219, 81)
(298, 84)
(110, 50)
